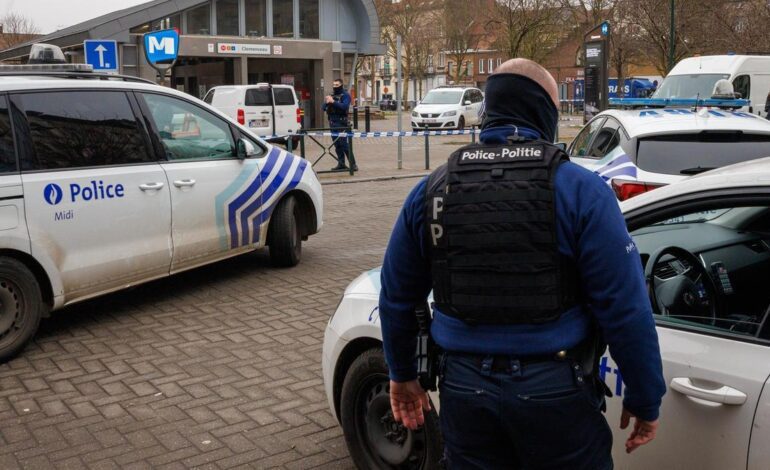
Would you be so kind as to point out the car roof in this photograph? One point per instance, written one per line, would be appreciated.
(751, 173)
(11, 83)
(714, 64)
(645, 122)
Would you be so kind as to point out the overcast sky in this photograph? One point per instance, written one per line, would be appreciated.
(51, 15)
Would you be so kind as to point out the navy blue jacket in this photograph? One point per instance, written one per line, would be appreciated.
(591, 231)
(340, 107)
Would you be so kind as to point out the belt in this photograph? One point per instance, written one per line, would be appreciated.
(502, 362)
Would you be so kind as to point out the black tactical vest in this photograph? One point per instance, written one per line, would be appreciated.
(491, 224)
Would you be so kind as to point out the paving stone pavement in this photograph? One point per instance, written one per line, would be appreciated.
(213, 368)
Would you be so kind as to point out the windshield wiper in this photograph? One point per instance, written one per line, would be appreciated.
(696, 170)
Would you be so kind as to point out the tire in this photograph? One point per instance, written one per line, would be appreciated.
(461, 123)
(21, 307)
(283, 238)
(374, 440)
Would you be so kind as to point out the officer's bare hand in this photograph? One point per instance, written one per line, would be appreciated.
(408, 400)
(329, 99)
(643, 432)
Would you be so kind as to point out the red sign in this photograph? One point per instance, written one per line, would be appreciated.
(385, 90)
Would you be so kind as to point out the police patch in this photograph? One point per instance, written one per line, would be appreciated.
(502, 154)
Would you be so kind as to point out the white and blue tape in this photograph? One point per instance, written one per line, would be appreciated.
(365, 135)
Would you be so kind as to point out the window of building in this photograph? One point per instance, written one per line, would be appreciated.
(308, 19)
(256, 18)
(468, 68)
(227, 18)
(80, 129)
(430, 60)
(441, 59)
(7, 152)
(283, 18)
(199, 20)
(188, 132)
(170, 22)
(481, 66)
(490, 65)
(499, 61)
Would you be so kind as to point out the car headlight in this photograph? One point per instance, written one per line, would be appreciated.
(414, 114)
(449, 113)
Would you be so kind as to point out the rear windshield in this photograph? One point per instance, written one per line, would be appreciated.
(695, 153)
(283, 96)
(700, 85)
(258, 97)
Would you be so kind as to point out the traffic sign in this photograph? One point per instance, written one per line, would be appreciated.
(101, 55)
(161, 46)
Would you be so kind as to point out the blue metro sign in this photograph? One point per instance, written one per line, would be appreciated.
(161, 46)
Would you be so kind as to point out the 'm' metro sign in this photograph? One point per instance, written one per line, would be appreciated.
(161, 46)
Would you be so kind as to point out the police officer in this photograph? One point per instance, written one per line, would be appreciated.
(525, 253)
(336, 106)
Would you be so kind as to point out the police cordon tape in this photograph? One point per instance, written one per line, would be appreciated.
(365, 135)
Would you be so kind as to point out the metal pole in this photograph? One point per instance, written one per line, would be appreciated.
(355, 117)
(427, 151)
(367, 119)
(672, 39)
(398, 98)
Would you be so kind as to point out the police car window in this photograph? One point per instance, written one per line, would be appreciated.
(258, 97)
(7, 152)
(717, 283)
(742, 85)
(283, 96)
(209, 96)
(688, 154)
(583, 140)
(71, 129)
(188, 132)
(606, 139)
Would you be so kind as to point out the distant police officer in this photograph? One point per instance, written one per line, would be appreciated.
(529, 259)
(336, 106)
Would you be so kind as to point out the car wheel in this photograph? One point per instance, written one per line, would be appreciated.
(374, 439)
(284, 238)
(21, 307)
(461, 123)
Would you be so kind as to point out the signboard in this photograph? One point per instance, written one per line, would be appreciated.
(595, 73)
(101, 55)
(234, 48)
(277, 50)
(161, 47)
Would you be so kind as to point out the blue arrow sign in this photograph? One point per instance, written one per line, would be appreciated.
(161, 46)
(101, 55)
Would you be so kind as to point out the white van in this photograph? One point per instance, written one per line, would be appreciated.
(695, 77)
(267, 110)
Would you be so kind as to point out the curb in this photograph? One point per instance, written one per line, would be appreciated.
(375, 178)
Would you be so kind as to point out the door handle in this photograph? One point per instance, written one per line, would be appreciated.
(724, 394)
(265, 112)
(151, 186)
(184, 183)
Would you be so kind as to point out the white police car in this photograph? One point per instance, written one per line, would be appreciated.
(637, 150)
(108, 182)
(705, 244)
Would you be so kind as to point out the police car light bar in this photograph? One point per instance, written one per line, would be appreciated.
(680, 102)
(32, 68)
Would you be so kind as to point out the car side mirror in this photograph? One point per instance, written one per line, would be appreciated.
(468, 102)
(245, 149)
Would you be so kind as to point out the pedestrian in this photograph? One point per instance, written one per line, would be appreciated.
(529, 259)
(336, 106)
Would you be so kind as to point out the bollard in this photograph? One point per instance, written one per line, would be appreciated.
(302, 145)
(427, 151)
(367, 119)
(289, 143)
(473, 134)
(351, 157)
(355, 117)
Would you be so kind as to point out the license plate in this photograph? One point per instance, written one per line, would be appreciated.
(430, 121)
(258, 123)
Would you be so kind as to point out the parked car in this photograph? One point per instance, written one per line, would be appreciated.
(637, 150)
(108, 182)
(705, 246)
(267, 110)
(448, 108)
(388, 103)
(695, 77)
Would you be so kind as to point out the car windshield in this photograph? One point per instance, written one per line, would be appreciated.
(442, 97)
(699, 85)
(690, 154)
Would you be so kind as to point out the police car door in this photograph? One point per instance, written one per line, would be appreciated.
(210, 187)
(97, 203)
(715, 367)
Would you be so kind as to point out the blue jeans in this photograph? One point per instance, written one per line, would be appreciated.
(341, 146)
(544, 415)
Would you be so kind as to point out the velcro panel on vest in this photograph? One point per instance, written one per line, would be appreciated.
(497, 259)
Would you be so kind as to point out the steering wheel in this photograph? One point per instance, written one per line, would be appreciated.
(690, 294)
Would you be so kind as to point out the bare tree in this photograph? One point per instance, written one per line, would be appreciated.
(526, 28)
(16, 28)
(463, 27)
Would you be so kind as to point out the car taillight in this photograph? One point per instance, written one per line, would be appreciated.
(241, 117)
(299, 116)
(625, 189)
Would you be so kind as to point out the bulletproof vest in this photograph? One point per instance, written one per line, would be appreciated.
(491, 224)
